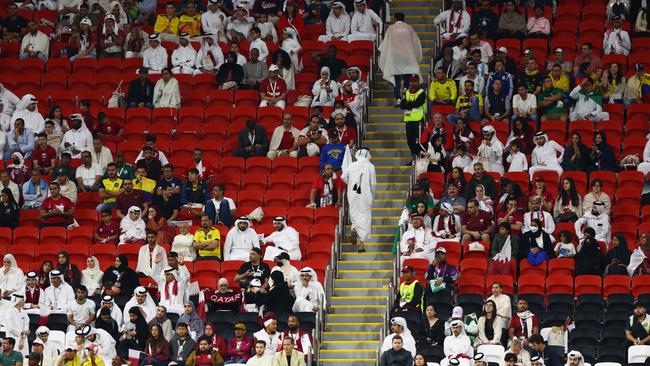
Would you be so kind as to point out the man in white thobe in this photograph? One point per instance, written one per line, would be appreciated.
(173, 288)
(361, 180)
(209, 57)
(400, 52)
(51, 348)
(364, 20)
(101, 339)
(116, 313)
(57, 297)
(283, 239)
(545, 218)
(17, 323)
(152, 258)
(213, 20)
(616, 40)
(337, 25)
(143, 300)
(596, 219)
(9, 102)
(241, 239)
(455, 22)
(239, 24)
(588, 103)
(644, 166)
(154, 58)
(417, 241)
(27, 110)
(457, 345)
(184, 57)
(398, 326)
(35, 43)
(78, 138)
(545, 155)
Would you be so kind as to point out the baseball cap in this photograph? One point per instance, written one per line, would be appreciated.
(274, 68)
(441, 250)
(528, 53)
(92, 346)
(559, 50)
(502, 49)
(240, 326)
(61, 171)
(639, 67)
(407, 269)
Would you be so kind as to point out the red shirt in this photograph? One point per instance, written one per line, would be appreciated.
(62, 203)
(287, 141)
(111, 128)
(206, 171)
(479, 222)
(517, 216)
(319, 186)
(516, 323)
(19, 175)
(273, 90)
(347, 134)
(44, 156)
(104, 231)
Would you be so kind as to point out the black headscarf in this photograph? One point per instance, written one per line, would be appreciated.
(141, 327)
(110, 325)
(621, 252)
(589, 260)
(604, 159)
(70, 272)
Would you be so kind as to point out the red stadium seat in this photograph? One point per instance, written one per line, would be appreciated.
(634, 146)
(206, 268)
(85, 65)
(87, 200)
(473, 267)
(66, 99)
(419, 264)
(47, 252)
(584, 128)
(105, 254)
(588, 284)
(25, 236)
(229, 269)
(471, 285)
(630, 179)
(559, 284)
(507, 283)
(231, 165)
(281, 181)
(245, 98)
(300, 215)
(300, 198)
(327, 215)
(86, 217)
(285, 165)
(304, 181)
(5, 235)
(277, 198)
(309, 164)
(530, 284)
(258, 164)
(525, 268)
(320, 251)
(254, 181)
(130, 250)
(580, 179)
(58, 66)
(556, 130)
(243, 113)
(640, 111)
(138, 115)
(78, 254)
(80, 235)
(322, 232)
(251, 198)
(53, 236)
(23, 253)
(608, 178)
(626, 213)
(616, 284)
(640, 285)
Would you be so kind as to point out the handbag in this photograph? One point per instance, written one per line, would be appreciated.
(421, 165)
(117, 99)
(303, 101)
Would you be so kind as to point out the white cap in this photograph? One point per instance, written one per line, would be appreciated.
(87, 22)
(274, 67)
(502, 49)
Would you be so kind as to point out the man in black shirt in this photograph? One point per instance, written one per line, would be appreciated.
(141, 91)
(254, 269)
(150, 164)
(337, 66)
(13, 26)
(169, 180)
(550, 356)
(167, 204)
(484, 20)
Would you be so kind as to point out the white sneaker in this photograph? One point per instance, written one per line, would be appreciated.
(398, 101)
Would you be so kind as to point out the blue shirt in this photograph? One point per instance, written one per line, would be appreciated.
(332, 154)
(25, 141)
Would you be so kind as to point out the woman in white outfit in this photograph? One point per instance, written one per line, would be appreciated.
(12, 280)
(325, 90)
(91, 276)
(166, 93)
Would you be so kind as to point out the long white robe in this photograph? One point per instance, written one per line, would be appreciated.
(616, 41)
(79, 139)
(214, 23)
(154, 59)
(182, 245)
(9, 101)
(92, 278)
(16, 322)
(184, 59)
(362, 26)
(240, 26)
(261, 46)
(267, 29)
(585, 107)
(546, 154)
(147, 260)
(308, 297)
(547, 222)
(239, 243)
(457, 345)
(12, 280)
(423, 240)
(208, 57)
(36, 43)
(291, 274)
(56, 299)
(400, 52)
(287, 240)
(167, 95)
(454, 23)
(149, 307)
(293, 48)
(174, 302)
(407, 338)
(105, 345)
(599, 223)
(336, 27)
(438, 235)
(644, 165)
(273, 341)
(491, 156)
(132, 229)
(33, 119)
(361, 180)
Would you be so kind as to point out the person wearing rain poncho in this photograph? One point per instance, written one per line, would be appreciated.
(27, 110)
(544, 156)
(154, 57)
(213, 21)
(291, 45)
(78, 138)
(325, 90)
(447, 225)
(400, 54)
(417, 241)
(241, 239)
(362, 25)
(166, 92)
(102, 339)
(144, 301)
(17, 323)
(337, 25)
(132, 227)
(172, 287)
(12, 280)
(398, 326)
(57, 297)
(210, 57)
(310, 295)
(361, 180)
(184, 57)
(284, 239)
(596, 219)
(490, 152)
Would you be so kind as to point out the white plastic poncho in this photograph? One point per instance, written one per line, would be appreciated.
(361, 180)
(151, 263)
(308, 297)
(636, 259)
(400, 52)
(33, 120)
(286, 240)
(148, 306)
(407, 338)
(240, 242)
(132, 228)
(167, 94)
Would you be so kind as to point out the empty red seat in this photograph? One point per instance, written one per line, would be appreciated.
(300, 215)
(258, 164)
(25, 236)
(277, 198)
(471, 285)
(231, 165)
(616, 284)
(53, 236)
(473, 266)
(23, 253)
(309, 164)
(327, 215)
(281, 181)
(300, 197)
(559, 284)
(246, 98)
(285, 165)
(640, 285)
(322, 232)
(530, 284)
(588, 284)
(253, 198)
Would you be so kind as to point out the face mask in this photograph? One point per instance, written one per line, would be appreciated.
(534, 229)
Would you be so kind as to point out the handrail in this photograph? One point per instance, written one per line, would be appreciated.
(309, 352)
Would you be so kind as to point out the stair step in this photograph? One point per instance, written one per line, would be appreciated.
(350, 336)
(365, 273)
(361, 291)
(360, 282)
(366, 264)
(355, 318)
(348, 362)
(358, 327)
(347, 345)
(350, 352)
(386, 143)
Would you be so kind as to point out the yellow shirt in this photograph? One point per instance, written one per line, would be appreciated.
(190, 24)
(162, 22)
(202, 237)
(98, 362)
(446, 90)
(147, 185)
(111, 187)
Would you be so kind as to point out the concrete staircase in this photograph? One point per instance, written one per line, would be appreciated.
(352, 335)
